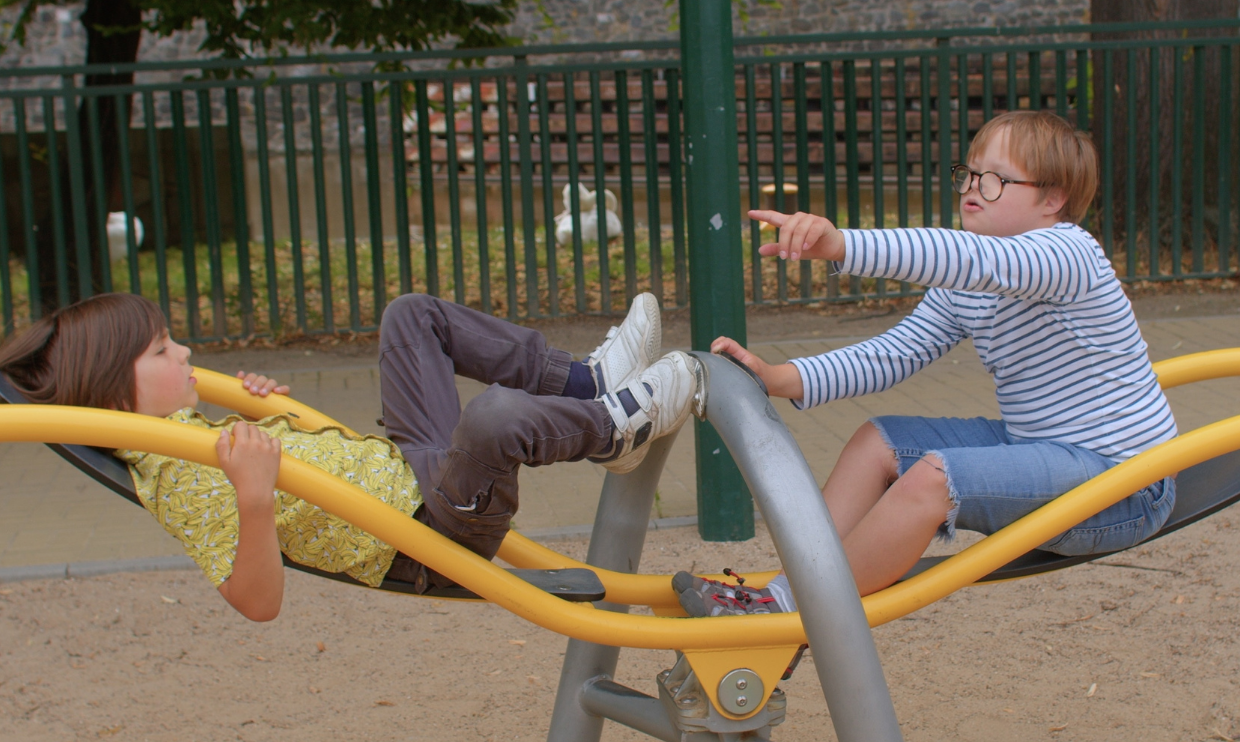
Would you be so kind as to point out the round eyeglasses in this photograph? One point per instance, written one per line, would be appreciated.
(989, 184)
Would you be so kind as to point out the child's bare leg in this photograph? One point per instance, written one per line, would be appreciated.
(892, 536)
(864, 471)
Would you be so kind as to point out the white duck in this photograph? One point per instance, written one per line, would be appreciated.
(118, 243)
(588, 203)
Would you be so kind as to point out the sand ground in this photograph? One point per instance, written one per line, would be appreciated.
(1143, 645)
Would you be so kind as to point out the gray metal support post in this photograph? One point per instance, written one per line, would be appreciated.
(809, 549)
(716, 281)
(615, 544)
(630, 708)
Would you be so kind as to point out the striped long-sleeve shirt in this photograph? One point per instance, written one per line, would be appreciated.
(1047, 315)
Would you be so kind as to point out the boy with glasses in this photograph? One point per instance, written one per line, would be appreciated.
(1051, 324)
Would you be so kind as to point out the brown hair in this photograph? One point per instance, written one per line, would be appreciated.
(84, 354)
(1052, 153)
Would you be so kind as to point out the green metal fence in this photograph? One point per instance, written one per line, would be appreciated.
(301, 198)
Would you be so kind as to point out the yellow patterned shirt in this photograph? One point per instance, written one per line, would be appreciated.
(197, 503)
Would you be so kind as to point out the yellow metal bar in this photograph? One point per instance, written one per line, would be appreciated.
(1211, 364)
(226, 391)
(628, 589)
(108, 428)
(70, 425)
(652, 590)
(1052, 519)
(519, 551)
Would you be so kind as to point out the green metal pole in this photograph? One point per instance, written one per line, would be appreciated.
(716, 283)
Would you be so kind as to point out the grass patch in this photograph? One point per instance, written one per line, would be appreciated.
(298, 301)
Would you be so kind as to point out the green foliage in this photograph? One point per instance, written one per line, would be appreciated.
(16, 32)
(241, 28)
(1075, 82)
(276, 26)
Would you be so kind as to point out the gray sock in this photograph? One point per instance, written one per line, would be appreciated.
(781, 591)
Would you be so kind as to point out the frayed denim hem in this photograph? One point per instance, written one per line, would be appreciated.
(947, 530)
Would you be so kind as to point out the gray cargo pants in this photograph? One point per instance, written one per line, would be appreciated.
(466, 460)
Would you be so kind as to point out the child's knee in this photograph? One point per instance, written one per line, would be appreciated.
(931, 468)
(926, 484)
(408, 303)
(482, 420)
(404, 313)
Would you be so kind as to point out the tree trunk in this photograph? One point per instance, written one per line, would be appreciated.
(104, 45)
(1161, 88)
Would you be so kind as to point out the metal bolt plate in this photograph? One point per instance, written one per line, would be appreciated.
(739, 691)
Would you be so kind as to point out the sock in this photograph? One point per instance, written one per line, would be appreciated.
(781, 591)
(627, 402)
(580, 382)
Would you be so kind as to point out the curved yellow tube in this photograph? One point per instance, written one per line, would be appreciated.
(519, 551)
(959, 571)
(622, 587)
(1210, 364)
(226, 391)
(779, 633)
(92, 427)
(108, 428)
(1052, 519)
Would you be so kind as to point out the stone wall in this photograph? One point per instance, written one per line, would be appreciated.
(55, 37)
(644, 20)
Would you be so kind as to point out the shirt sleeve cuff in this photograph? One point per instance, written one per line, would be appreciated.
(853, 261)
(800, 404)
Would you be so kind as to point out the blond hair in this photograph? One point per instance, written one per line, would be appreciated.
(1052, 154)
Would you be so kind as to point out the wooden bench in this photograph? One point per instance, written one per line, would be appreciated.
(610, 103)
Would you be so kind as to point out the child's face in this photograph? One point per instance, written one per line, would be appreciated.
(164, 379)
(1020, 209)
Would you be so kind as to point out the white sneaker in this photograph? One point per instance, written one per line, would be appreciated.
(665, 394)
(628, 349)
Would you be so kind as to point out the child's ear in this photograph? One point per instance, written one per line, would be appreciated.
(1054, 201)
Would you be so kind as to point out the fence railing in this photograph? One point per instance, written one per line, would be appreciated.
(299, 200)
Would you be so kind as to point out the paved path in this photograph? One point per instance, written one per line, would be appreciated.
(54, 518)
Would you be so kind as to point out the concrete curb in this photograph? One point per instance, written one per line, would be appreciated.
(71, 570)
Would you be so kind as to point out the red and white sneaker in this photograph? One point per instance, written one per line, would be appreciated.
(703, 598)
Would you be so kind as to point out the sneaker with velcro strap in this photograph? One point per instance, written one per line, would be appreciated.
(657, 401)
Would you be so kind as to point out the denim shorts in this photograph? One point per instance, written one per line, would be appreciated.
(994, 480)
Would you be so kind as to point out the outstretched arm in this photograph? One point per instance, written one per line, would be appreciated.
(863, 368)
(1062, 264)
(251, 460)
